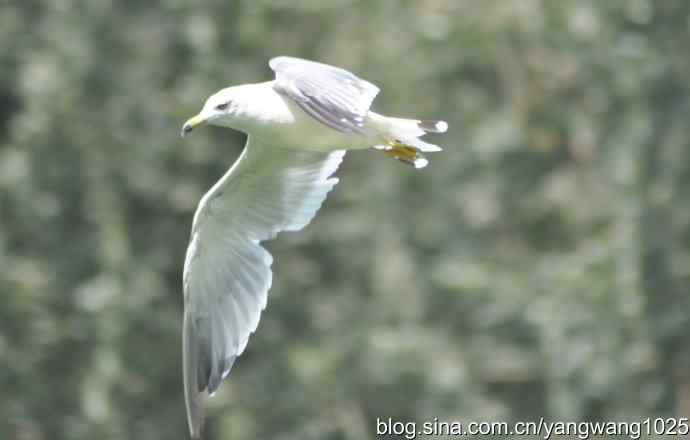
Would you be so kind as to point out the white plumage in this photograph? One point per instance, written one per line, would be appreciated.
(299, 127)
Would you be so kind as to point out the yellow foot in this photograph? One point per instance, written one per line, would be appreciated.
(404, 153)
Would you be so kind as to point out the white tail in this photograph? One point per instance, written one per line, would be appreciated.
(408, 131)
(402, 137)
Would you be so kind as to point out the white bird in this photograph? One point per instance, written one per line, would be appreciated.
(298, 128)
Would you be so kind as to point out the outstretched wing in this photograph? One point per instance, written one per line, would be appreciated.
(227, 273)
(332, 96)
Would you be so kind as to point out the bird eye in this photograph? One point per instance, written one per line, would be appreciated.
(222, 106)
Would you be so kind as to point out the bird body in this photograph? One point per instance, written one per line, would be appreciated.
(266, 113)
(298, 128)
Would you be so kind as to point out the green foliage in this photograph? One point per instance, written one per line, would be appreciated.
(538, 267)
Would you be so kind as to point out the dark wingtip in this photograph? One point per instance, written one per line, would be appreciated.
(197, 434)
(433, 126)
(195, 418)
(190, 363)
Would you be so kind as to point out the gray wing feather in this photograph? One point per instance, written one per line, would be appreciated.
(227, 273)
(332, 96)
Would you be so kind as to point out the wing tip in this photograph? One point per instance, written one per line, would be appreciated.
(273, 62)
(195, 432)
(433, 126)
(420, 162)
(442, 126)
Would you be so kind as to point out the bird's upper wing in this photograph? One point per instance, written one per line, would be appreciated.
(332, 96)
(227, 273)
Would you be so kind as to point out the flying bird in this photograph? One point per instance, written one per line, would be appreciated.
(299, 126)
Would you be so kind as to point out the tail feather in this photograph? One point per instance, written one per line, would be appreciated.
(420, 145)
(408, 131)
(402, 138)
(414, 127)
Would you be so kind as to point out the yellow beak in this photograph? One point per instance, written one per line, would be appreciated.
(192, 123)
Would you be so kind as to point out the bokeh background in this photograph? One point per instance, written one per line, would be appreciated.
(538, 267)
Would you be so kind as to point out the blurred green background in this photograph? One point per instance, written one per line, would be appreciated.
(538, 267)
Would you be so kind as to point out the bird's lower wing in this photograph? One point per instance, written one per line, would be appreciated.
(227, 272)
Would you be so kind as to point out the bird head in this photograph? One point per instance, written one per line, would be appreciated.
(221, 109)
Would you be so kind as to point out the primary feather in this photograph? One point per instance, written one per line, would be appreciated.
(227, 272)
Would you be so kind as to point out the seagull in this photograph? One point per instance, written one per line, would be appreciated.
(298, 127)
